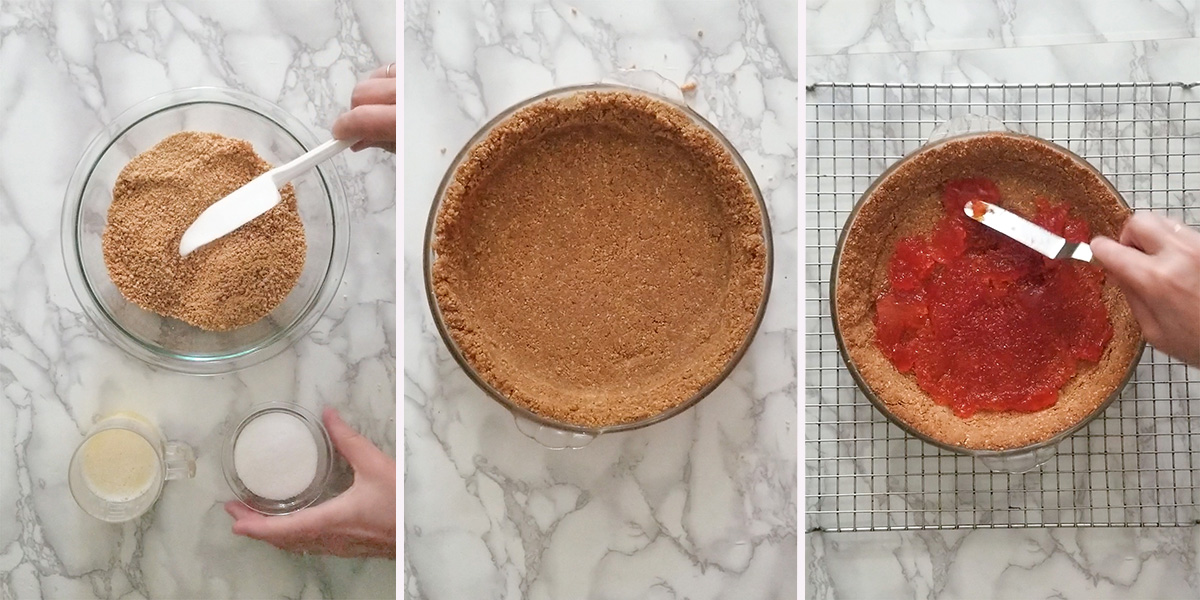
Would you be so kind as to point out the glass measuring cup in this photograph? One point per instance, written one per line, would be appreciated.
(118, 471)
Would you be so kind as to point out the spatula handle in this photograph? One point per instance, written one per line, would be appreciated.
(310, 159)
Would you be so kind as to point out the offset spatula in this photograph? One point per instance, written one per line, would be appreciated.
(1029, 234)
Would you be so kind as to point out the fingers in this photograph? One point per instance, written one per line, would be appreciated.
(1129, 266)
(389, 146)
(357, 449)
(1142, 313)
(282, 530)
(371, 123)
(248, 522)
(374, 91)
(371, 120)
(1147, 232)
(388, 70)
(239, 511)
(1189, 236)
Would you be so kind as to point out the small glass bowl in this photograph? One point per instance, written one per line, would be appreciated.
(276, 136)
(315, 490)
(551, 433)
(1014, 460)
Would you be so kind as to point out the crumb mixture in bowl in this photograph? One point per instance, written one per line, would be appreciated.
(600, 258)
(229, 305)
(1031, 177)
(229, 283)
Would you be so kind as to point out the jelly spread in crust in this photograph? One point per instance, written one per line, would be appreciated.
(908, 203)
(984, 322)
(599, 257)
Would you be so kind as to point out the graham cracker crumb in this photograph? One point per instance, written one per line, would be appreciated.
(688, 87)
(599, 258)
(230, 283)
(907, 201)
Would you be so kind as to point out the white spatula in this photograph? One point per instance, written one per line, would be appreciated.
(253, 199)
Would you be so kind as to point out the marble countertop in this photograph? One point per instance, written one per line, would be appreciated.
(700, 506)
(983, 41)
(67, 69)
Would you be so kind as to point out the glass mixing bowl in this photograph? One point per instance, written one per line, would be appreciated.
(166, 342)
(1014, 460)
(552, 433)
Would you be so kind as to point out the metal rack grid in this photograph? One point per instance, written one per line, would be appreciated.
(1138, 464)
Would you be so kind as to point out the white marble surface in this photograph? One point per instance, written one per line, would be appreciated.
(66, 69)
(878, 26)
(701, 506)
(1012, 42)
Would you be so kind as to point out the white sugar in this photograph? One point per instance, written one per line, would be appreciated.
(275, 456)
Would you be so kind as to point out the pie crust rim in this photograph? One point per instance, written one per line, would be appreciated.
(557, 428)
(861, 380)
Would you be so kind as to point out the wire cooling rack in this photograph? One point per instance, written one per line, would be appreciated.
(1137, 465)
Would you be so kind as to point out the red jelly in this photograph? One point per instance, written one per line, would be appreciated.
(983, 322)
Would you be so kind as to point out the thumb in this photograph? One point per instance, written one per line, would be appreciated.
(252, 524)
(278, 529)
(352, 445)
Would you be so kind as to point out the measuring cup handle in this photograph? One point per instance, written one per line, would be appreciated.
(179, 460)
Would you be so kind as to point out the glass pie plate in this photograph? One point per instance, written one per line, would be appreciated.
(548, 432)
(1013, 460)
(166, 342)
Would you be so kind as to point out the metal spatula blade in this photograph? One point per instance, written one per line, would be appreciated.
(1025, 232)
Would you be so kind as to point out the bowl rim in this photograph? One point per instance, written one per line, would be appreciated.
(866, 389)
(252, 354)
(428, 256)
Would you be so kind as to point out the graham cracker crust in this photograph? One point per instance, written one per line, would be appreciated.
(599, 257)
(905, 202)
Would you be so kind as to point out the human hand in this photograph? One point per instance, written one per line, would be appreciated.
(361, 522)
(372, 116)
(1157, 265)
